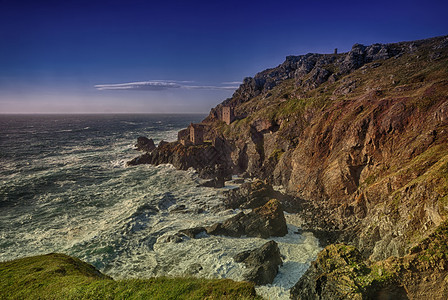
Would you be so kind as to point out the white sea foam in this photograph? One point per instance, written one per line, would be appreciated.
(80, 199)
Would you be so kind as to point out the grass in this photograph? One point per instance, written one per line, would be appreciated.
(345, 265)
(434, 248)
(362, 279)
(276, 154)
(58, 276)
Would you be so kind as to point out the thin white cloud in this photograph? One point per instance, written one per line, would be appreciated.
(232, 82)
(158, 85)
(155, 85)
(209, 87)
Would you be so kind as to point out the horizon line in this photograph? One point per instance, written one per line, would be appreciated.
(104, 113)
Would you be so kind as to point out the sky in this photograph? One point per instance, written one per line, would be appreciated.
(138, 56)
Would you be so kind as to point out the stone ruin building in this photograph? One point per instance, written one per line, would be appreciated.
(193, 135)
(196, 134)
(227, 114)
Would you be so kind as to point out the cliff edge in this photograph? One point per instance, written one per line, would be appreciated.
(361, 138)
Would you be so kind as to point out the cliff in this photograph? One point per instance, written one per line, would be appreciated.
(340, 272)
(359, 138)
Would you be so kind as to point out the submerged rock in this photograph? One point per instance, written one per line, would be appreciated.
(167, 200)
(194, 269)
(265, 221)
(178, 209)
(192, 232)
(262, 262)
(217, 182)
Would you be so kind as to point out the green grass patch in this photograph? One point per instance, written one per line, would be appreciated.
(276, 154)
(435, 247)
(370, 179)
(58, 276)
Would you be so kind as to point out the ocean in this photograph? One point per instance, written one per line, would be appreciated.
(65, 187)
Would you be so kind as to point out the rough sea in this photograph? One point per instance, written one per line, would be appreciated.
(65, 187)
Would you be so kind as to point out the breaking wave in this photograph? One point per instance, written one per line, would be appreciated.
(65, 187)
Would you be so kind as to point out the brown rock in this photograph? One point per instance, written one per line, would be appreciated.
(265, 221)
(145, 144)
(262, 262)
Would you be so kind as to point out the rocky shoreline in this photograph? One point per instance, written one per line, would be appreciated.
(359, 142)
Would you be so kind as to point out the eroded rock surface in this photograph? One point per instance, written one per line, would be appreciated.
(265, 221)
(145, 144)
(262, 263)
(341, 272)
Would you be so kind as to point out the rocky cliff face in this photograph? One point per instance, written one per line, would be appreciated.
(310, 71)
(211, 160)
(340, 272)
(362, 136)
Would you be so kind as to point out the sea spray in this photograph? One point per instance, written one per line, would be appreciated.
(65, 188)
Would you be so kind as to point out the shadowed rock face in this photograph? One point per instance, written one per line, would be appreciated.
(340, 272)
(265, 221)
(262, 263)
(209, 161)
(361, 137)
(145, 144)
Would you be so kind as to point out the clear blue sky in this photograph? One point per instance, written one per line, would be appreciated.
(177, 56)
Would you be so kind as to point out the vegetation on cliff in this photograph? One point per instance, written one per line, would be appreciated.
(361, 139)
(57, 276)
(340, 272)
(361, 136)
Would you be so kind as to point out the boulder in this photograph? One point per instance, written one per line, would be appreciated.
(192, 232)
(249, 195)
(265, 221)
(217, 182)
(145, 144)
(262, 263)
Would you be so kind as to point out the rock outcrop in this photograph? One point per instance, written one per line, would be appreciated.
(262, 263)
(265, 221)
(249, 195)
(209, 161)
(341, 272)
(361, 138)
(145, 144)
